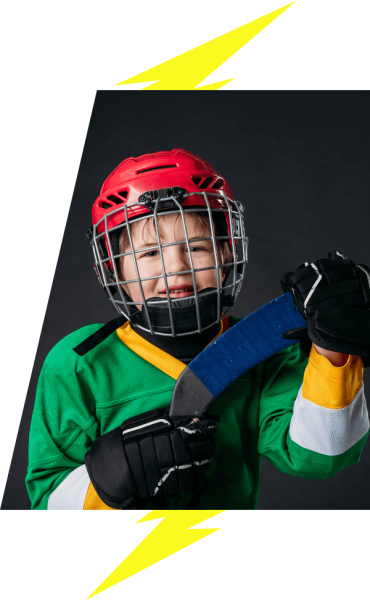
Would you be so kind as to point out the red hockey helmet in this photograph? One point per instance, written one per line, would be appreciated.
(174, 180)
(135, 178)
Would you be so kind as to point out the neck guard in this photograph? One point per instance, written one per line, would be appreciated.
(186, 348)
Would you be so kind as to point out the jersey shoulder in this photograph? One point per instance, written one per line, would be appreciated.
(62, 353)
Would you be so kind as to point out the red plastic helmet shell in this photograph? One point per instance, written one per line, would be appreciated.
(166, 169)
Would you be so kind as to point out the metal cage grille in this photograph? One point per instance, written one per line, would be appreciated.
(108, 273)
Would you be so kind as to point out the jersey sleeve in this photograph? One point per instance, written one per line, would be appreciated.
(313, 418)
(76, 492)
(63, 428)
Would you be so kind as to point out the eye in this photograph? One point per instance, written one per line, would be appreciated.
(198, 249)
(149, 254)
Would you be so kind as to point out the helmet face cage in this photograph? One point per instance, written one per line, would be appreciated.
(107, 257)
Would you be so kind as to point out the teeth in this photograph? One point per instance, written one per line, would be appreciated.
(180, 291)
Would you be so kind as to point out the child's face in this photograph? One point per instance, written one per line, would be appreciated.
(176, 259)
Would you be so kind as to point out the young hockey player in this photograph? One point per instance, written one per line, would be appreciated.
(170, 251)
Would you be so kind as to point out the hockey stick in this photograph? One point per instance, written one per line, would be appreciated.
(255, 338)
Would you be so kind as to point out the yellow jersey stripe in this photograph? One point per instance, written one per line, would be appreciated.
(155, 356)
(93, 502)
(329, 386)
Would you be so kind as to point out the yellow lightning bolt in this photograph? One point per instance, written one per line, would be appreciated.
(171, 535)
(186, 71)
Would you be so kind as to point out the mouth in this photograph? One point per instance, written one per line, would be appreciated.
(178, 291)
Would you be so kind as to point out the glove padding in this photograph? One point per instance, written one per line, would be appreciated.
(151, 456)
(333, 296)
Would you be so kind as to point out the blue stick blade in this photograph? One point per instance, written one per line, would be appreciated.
(247, 343)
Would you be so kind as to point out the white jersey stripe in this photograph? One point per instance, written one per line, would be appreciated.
(71, 493)
(326, 430)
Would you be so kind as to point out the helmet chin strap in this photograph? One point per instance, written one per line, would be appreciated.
(184, 314)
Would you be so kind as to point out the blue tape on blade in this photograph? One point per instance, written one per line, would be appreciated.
(247, 343)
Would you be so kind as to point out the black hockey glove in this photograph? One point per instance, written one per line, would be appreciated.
(333, 295)
(151, 456)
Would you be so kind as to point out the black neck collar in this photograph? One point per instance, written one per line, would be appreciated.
(184, 348)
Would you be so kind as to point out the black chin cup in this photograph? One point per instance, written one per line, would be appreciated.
(184, 313)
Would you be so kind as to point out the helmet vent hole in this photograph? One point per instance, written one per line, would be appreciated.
(156, 168)
(105, 205)
(218, 184)
(205, 183)
(115, 199)
(197, 180)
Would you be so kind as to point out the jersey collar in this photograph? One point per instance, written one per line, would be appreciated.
(155, 356)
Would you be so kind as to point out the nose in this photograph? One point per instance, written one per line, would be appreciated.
(176, 258)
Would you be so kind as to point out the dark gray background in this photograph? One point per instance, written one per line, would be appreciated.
(299, 162)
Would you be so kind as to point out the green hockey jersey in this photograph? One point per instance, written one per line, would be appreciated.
(307, 417)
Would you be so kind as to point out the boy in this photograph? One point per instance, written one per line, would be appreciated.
(170, 251)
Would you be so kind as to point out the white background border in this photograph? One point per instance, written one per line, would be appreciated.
(56, 56)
